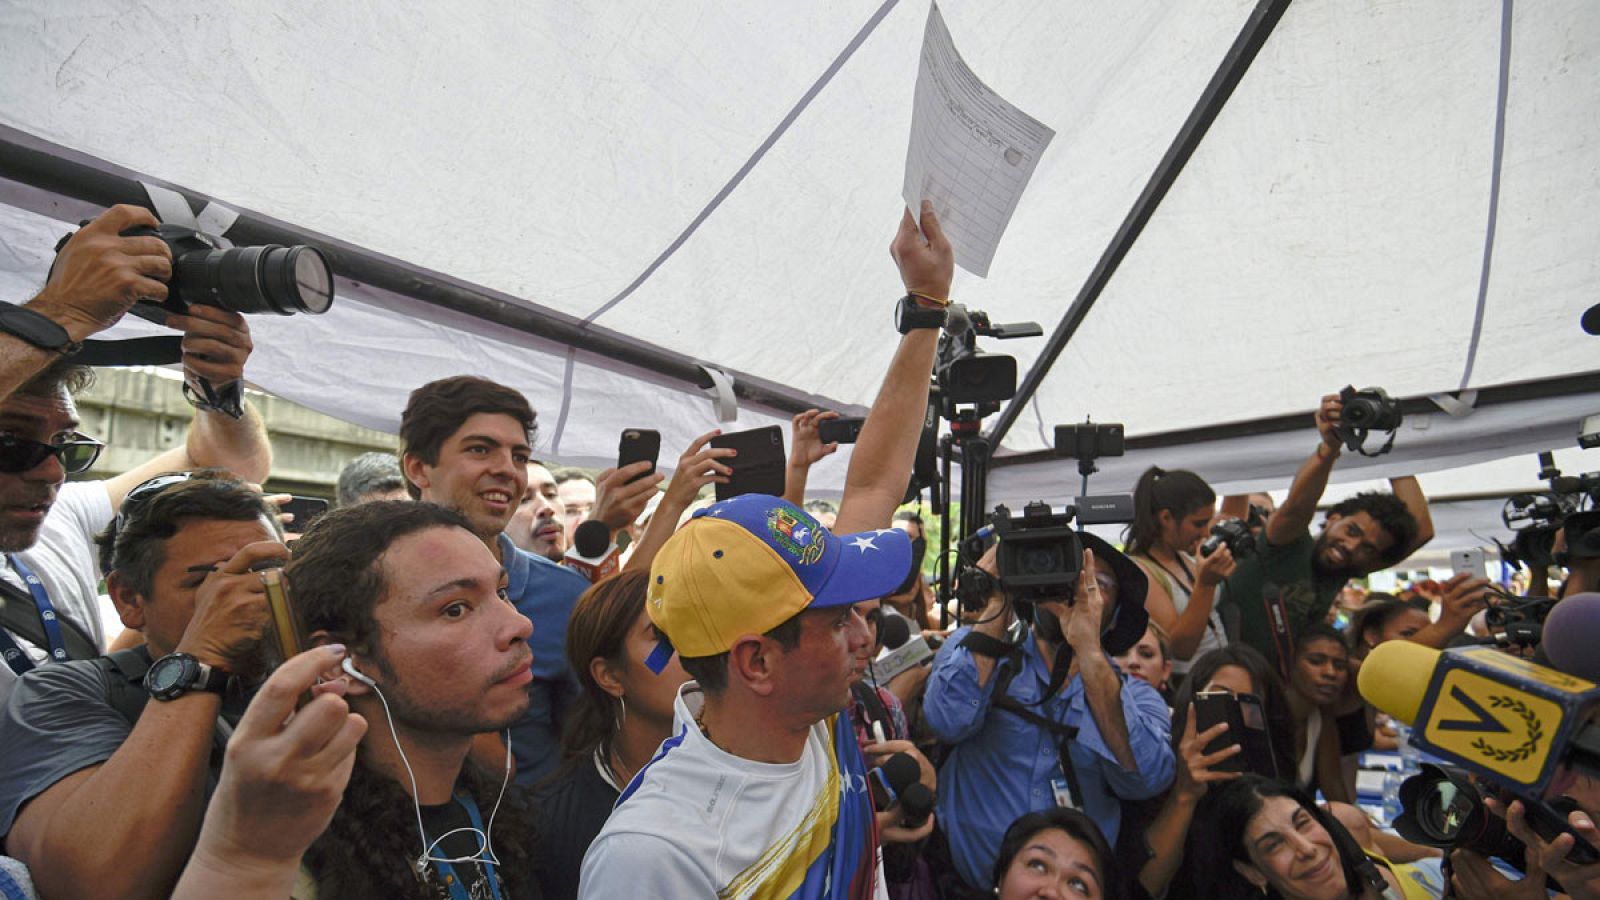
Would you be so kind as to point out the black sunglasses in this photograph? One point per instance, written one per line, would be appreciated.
(77, 453)
(135, 499)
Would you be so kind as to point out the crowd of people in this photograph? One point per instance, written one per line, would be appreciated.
(456, 712)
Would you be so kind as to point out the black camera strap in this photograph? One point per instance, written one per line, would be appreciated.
(1009, 663)
(1282, 631)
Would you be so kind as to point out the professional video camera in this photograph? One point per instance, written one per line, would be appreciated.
(1237, 534)
(1039, 557)
(270, 278)
(1366, 411)
(1536, 517)
(964, 373)
(1443, 807)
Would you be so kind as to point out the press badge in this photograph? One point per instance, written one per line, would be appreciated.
(1062, 791)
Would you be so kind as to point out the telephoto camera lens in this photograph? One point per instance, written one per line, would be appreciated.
(266, 279)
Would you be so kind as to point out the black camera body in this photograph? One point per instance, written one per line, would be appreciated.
(1040, 553)
(1443, 807)
(269, 278)
(1366, 411)
(1237, 534)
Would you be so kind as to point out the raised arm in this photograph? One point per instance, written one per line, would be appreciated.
(880, 465)
(1294, 517)
(98, 275)
(1409, 491)
(699, 466)
(806, 449)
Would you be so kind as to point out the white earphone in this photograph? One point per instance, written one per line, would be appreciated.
(350, 669)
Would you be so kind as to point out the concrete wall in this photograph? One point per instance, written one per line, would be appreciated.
(139, 413)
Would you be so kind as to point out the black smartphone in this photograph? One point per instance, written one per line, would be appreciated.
(840, 431)
(1247, 727)
(759, 466)
(1090, 440)
(639, 445)
(305, 511)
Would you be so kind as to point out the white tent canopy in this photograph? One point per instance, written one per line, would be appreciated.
(1394, 194)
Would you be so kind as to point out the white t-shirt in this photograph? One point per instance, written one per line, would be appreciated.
(66, 560)
(700, 822)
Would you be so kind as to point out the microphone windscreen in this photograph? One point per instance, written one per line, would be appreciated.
(1591, 320)
(591, 539)
(1571, 634)
(901, 771)
(893, 630)
(1395, 675)
(916, 802)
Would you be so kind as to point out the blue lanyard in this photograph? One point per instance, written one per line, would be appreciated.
(457, 892)
(14, 655)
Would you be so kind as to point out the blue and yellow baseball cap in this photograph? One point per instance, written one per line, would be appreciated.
(749, 564)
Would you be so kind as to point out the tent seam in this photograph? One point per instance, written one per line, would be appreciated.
(1501, 93)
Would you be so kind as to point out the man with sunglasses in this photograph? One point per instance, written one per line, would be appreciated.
(49, 577)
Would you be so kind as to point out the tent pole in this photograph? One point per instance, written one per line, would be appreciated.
(1237, 61)
(59, 170)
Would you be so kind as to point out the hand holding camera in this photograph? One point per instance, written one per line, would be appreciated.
(99, 274)
(231, 612)
(1080, 619)
(1216, 566)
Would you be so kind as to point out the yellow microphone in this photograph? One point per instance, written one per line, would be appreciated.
(1499, 716)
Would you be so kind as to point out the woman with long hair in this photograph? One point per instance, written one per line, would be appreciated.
(1262, 837)
(621, 716)
(1172, 513)
(1237, 669)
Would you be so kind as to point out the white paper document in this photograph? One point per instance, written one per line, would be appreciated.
(971, 152)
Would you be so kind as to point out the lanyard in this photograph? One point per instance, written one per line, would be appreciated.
(14, 655)
(448, 873)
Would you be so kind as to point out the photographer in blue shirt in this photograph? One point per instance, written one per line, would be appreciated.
(1040, 717)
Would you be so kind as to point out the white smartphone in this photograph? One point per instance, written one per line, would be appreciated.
(1471, 561)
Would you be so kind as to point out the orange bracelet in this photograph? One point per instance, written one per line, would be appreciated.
(936, 301)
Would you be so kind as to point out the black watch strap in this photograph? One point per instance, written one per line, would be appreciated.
(192, 675)
(911, 316)
(36, 328)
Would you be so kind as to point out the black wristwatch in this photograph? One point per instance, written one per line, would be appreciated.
(910, 315)
(37, 329)
(176, 674)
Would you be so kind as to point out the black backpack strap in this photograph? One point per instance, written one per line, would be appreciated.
(20, 616)
(125, 681)
(1006, 671)
(872, 706)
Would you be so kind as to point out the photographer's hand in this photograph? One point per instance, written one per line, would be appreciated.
(1464, 597)
(1581, 882)
(99, 274)
(1328, 416)
(1081, 617)
(216, 343)
(230, 610)
(1475, 878)
(1216, 568)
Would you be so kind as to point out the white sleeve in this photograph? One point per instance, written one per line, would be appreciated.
(630, 864)
(66, 558)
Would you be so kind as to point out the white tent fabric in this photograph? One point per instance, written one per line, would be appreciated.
(722, 182)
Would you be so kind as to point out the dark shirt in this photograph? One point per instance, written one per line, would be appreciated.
(570, 809)
(59, 720)
(1306, 595)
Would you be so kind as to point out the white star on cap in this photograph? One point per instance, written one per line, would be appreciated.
(864, 543)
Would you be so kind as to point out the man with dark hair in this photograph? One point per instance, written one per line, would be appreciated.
(1293, 578)
(49, 583)
(465, 444)
(369, 477)
(536, 525)
(760, 790)
(101, 793)
(441, 654)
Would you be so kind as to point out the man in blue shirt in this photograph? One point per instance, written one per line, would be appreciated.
(465, 443)
(1004, 762)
